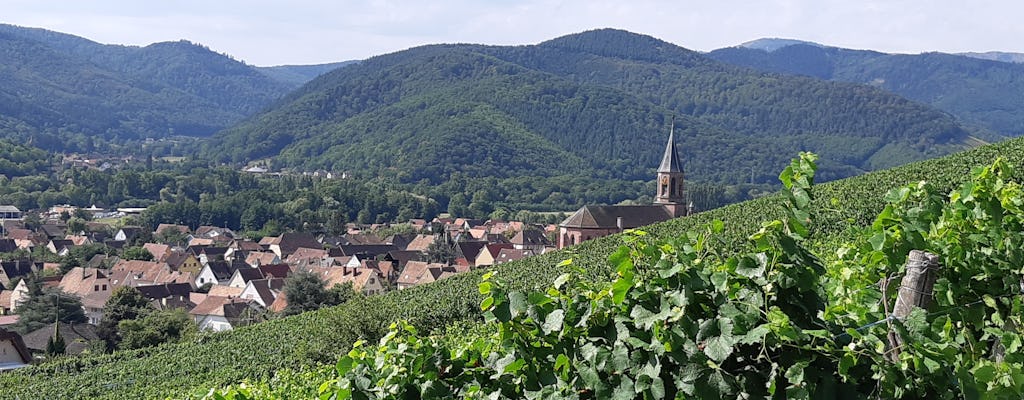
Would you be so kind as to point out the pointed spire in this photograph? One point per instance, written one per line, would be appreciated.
(670, 161)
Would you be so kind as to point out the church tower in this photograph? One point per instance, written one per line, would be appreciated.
(671, 190)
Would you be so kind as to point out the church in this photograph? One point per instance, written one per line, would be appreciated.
(670, 202)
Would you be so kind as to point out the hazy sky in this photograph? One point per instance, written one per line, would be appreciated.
(266, 32)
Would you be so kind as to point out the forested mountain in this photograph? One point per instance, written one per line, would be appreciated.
(984, 93)
(63, 92)
(297, 75)
(596, 103)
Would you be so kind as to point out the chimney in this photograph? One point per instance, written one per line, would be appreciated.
(618, 223)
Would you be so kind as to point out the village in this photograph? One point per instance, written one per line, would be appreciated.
(222, 279)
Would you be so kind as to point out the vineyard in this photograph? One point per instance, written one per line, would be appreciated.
(682, 319)
(304, 344)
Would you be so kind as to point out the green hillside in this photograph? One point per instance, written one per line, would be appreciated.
(190, 369)
(600, 101)
(67, 93)
(979, 92)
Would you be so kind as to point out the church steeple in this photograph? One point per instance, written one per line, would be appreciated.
(671, 188)
(670, 161)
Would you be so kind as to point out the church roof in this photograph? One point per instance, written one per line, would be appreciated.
(606, 217)
(670, 161)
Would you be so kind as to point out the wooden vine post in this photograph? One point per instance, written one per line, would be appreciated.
(915, 291)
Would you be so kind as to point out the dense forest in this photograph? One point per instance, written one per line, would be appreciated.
(985, 93)
(65, 93)
(597, 103)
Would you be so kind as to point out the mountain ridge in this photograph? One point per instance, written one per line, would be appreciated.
(979, 92)
(588, 93)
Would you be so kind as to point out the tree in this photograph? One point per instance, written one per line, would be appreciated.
(125, 303)
(171, 236)
(442, 249)
(76, 226)
(55, 344)
(458, 206)
(304, 291)
(137, 253)
(341, 293)
(42, 309)
(162, 326)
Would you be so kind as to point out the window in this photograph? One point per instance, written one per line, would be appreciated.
(104, 287)
(96, 288)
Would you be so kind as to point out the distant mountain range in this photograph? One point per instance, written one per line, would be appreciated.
(63, 92)
(980, 92)
(596, 103)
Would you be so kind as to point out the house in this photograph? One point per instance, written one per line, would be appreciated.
(7, 321)
(60, 247)
(217, 313)
(13, 352)
(164, 229)
(12, 269)
(10, 212)
(213, 232)
(76, 337)
(419, 272)
(280, 303)
(242, 276)
(141, 273)
(361, 238)
(305, 255)
(255, 259)
(128, 233)
(530, 239)
(489, 253)
(212, 253)
(218, 272)
(8, 246)
(263, 291)
(400, 241)
(53, 231)
(506, 255)
(20, 292)
(288, 242)
(366, 250)
(225, 291)
(78, 240)
(160, 252)
(420, 243)
(401, 257)
(168, 295)
(368, 281)
(183, 261)
(6, 305)
(670, 201)
(386, 269)
(469, 250)
(26, 238)
(241, 249)
(93, 286)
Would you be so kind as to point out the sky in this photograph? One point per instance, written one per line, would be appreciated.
(267, 32)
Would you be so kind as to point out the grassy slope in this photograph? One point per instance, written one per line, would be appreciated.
(189, 369)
